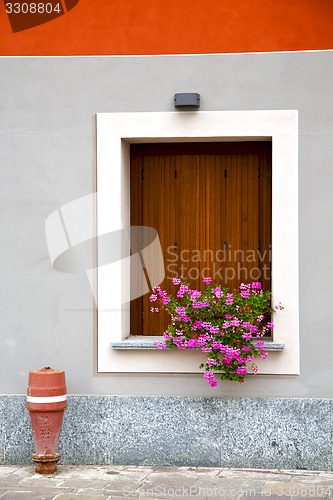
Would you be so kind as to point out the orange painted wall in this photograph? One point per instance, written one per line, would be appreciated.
(125, 27)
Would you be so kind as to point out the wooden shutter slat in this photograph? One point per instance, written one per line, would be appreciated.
(265, 215)
(136, 220)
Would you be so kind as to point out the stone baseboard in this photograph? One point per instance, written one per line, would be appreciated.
(281, 433)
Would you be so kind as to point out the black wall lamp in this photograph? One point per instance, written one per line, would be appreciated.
(187, 100)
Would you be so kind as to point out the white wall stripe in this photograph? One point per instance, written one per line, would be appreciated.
(50, 399)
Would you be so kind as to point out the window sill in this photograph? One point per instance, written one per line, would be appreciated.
(144, 342)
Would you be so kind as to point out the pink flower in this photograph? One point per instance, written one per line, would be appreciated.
(211, 362)
(241, 370)
(224, 338)
(182, 290)
(230, 299)
(209, 376)
(217, 345)
(199, 305)
(254, 369)
(178, 341)
(191, 343)
(202, 341)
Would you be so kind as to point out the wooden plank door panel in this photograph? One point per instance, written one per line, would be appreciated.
(211, 206)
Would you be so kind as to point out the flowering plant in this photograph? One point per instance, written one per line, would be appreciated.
(227, 326)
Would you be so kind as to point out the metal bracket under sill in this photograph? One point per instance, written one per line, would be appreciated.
(149, 342)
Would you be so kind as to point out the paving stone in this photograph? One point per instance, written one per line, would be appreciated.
(256, 474)
(10, 480)
(121, 485)
(74, 496)
(302, 498)
(167, 480)
(227, 487)
(28, 495)
(90, 491)
(313, 479)
(24, 470)
(19, 472)
(7, 469)
(117, 496)
(126, 494)
(270, 497)
(161, 485)
(188, 471)
(40, 481)
(122, 498)
(125, 476)
(84, 472)
(109, 482)
(309, 489)
(84, 483)
(41, 491)
(138, 468)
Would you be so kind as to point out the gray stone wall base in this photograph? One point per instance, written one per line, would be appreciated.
(210, 432)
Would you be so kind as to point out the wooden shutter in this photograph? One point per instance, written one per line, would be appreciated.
(211, 205)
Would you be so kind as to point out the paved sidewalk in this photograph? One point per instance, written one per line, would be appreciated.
(92, 482)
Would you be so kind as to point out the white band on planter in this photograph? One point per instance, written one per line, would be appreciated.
(50, 399)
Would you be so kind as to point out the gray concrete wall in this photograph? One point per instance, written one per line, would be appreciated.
(207, 432)
(47, 151)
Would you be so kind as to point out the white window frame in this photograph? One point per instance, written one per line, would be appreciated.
(115, 133)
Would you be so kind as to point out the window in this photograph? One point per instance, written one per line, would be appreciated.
(115, 133)
(210, 204)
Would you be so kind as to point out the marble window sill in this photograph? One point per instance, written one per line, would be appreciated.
(144, 342)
